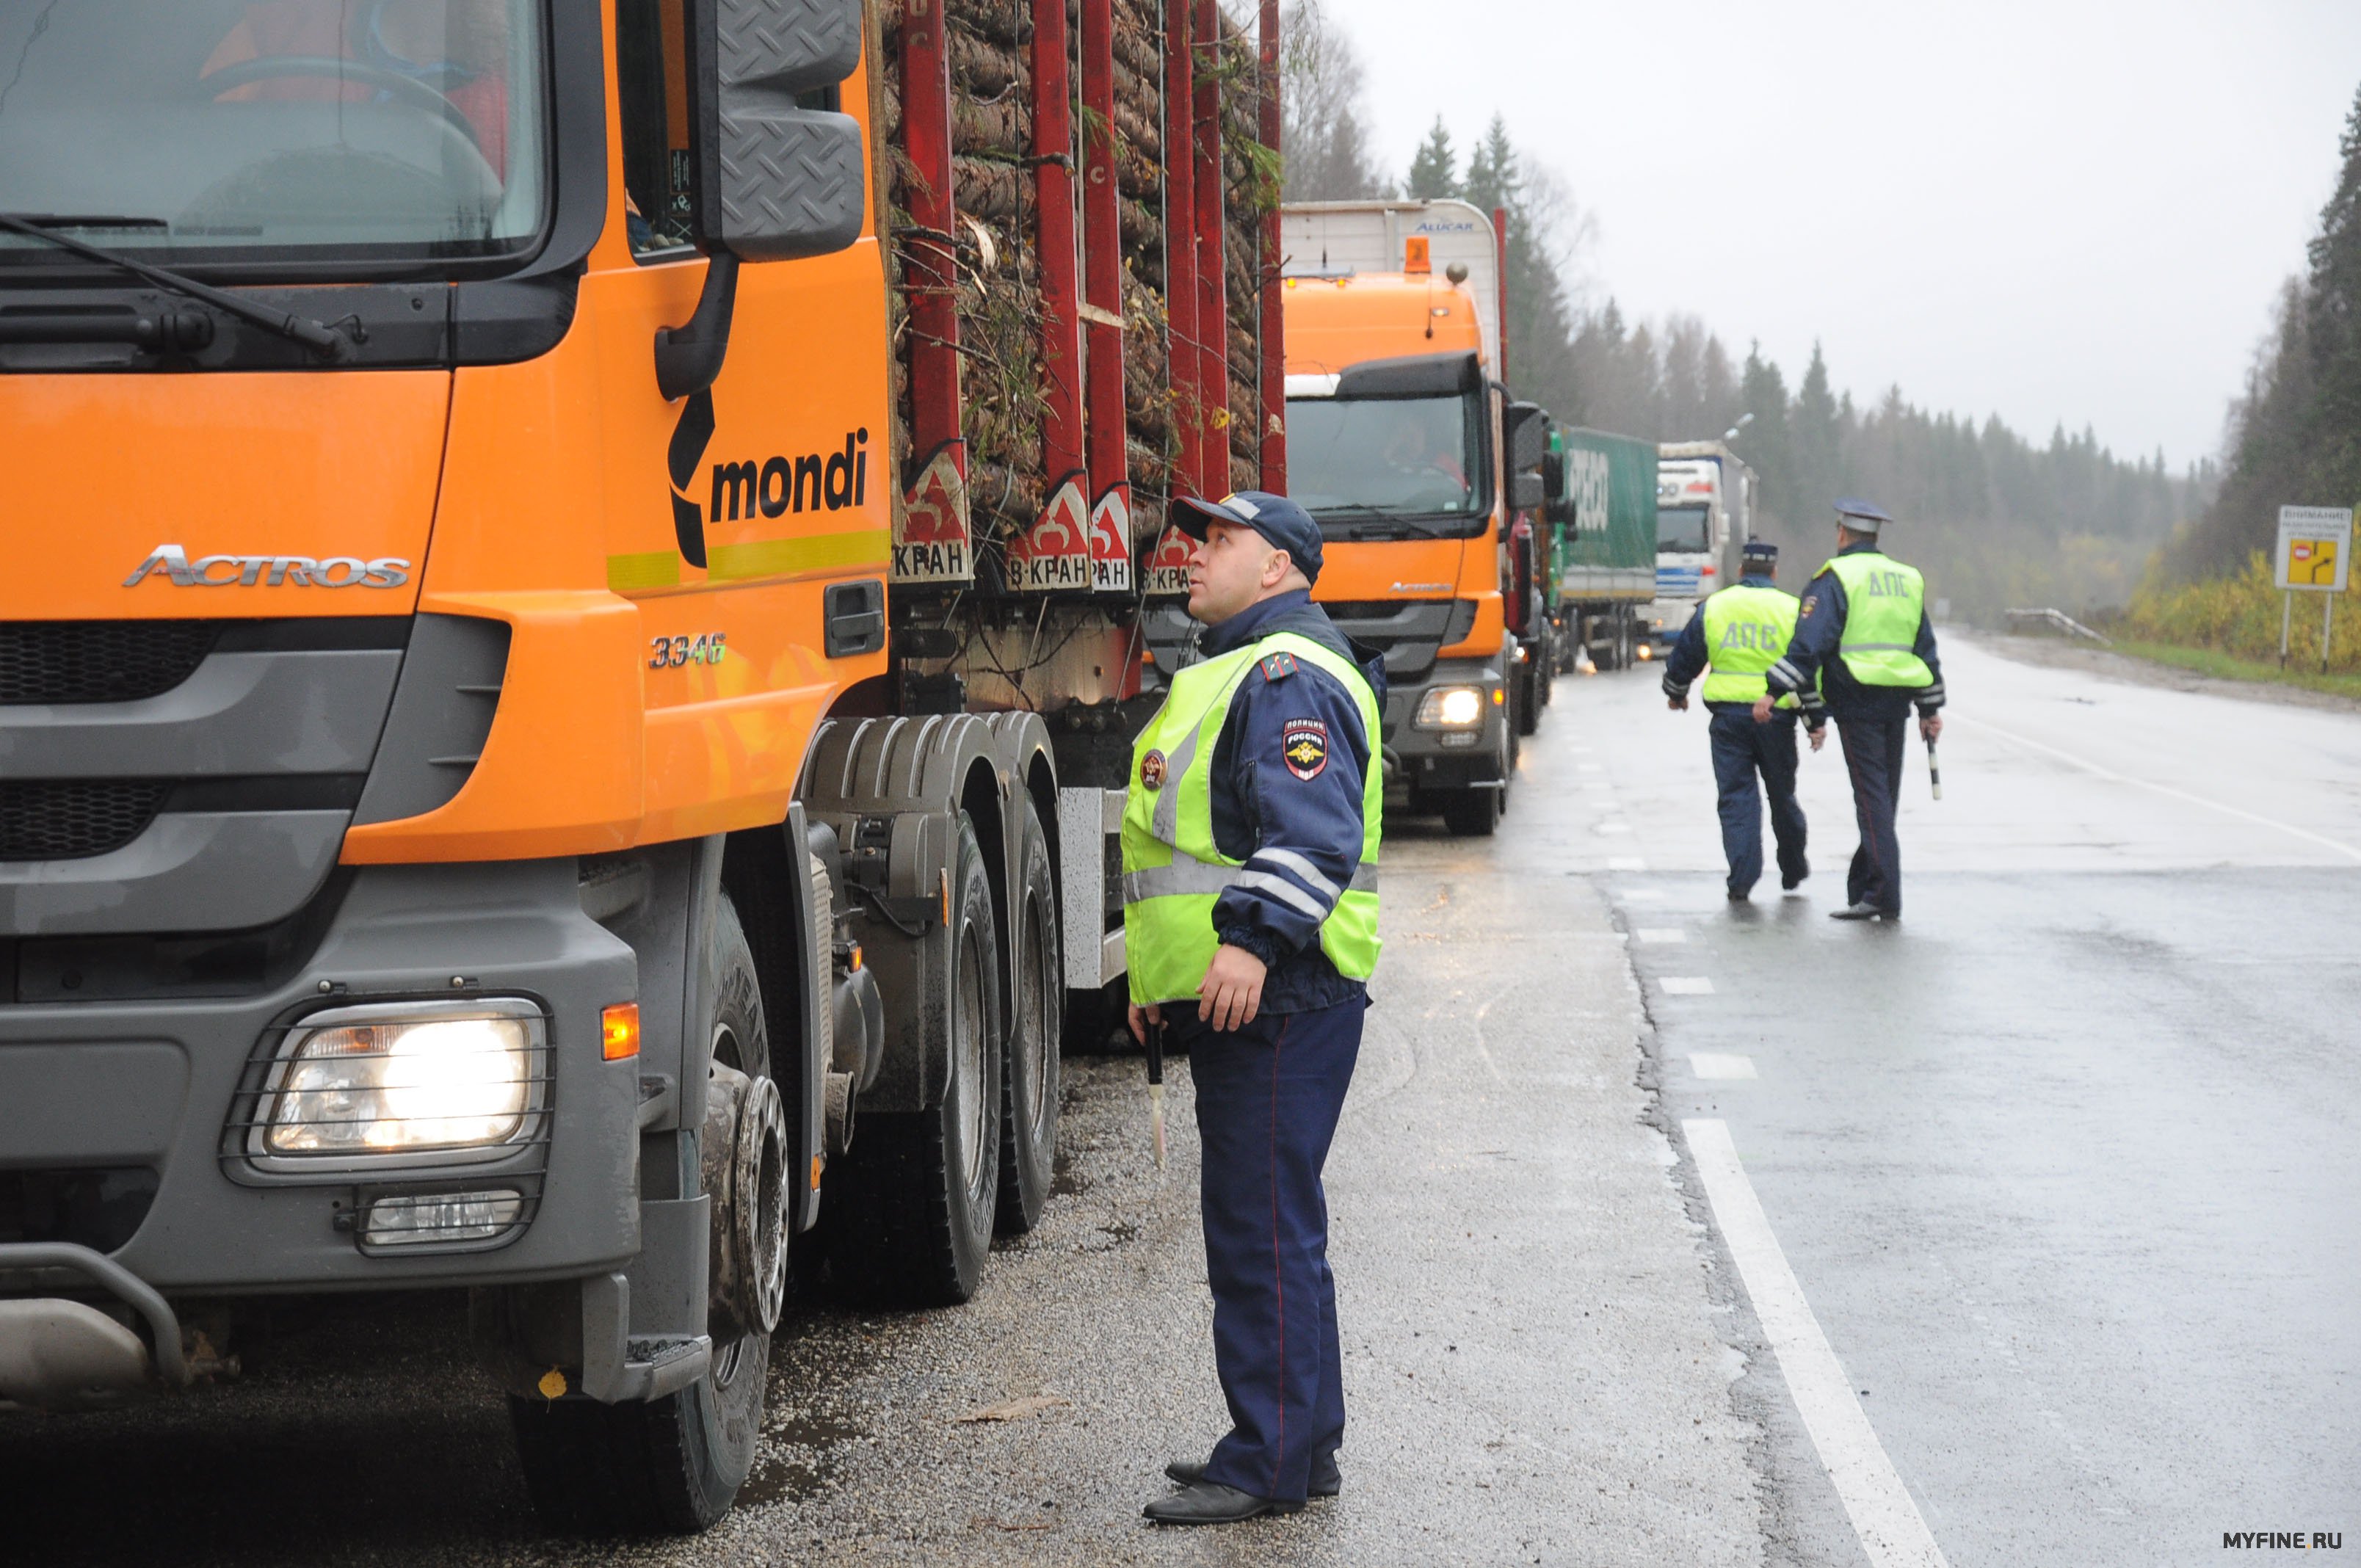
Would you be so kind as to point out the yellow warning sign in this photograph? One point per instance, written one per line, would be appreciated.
(2312, 563)
(2314, 545)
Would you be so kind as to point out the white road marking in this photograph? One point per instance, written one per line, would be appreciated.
(1662, 934)
(1686, 985)
(1626, 864)
(1612, 827)
(1721, 1064)
(1892, 1531)
(2068, 757)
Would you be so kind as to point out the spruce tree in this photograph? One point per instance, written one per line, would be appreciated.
(1434, 169)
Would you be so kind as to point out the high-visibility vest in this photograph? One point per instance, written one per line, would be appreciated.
(1172, 870)
(1747, 631)
(1885, 603)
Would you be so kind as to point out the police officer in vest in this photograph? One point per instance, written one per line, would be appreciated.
(1862, 637)
(1250, 921)
(1740, 631)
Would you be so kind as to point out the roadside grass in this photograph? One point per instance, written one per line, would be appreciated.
(2230, 667)
(2237, 618)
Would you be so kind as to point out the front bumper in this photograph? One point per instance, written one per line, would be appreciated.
(146, 1090)
(1446, 759)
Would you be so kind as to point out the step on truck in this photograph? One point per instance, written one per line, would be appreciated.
(565, 694)
(1603, 522)
(1704, 510)
(1399, 441)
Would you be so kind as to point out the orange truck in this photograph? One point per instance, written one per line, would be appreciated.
(1404, 443)
(554, 738)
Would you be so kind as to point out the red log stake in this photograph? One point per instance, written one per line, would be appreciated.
(1055, 552)
(1104, 427)
(935, 544)
(1181, 240)
(1273, 347)
(1500, 263)
(1213, 425)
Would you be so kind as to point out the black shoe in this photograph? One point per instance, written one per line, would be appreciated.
(1207, 1502)
(1789, 883)
(1864, 912)
(1738, 895)
(1326, 1479)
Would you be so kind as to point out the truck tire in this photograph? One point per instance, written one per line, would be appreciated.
(1470, 813)
(911, 1216)
(1028, 1111)
(671, 1465)
(1529, 693)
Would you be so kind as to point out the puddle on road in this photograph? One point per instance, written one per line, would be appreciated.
(1063, 1181)
(797, 1460)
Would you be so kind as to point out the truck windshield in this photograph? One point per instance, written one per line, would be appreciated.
(1357, 458)
(217, 133)
(1681, 530)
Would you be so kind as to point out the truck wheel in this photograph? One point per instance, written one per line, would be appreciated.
(1529, 695)
(911, 1216)
(1470, 813)
(671, 1465)
(1028, 1113)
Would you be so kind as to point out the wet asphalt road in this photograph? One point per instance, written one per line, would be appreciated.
(2067, 1163)
(2066, 1166)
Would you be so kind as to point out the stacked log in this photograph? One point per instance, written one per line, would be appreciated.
(999, 305)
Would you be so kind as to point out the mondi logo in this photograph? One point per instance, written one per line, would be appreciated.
(771, 488)
(246, 571)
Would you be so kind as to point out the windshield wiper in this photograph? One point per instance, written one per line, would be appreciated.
(318, 337)
(1361, 515)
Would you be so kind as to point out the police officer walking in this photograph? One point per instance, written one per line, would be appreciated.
(1250, 921)
(1862, 637)
(1740, 631)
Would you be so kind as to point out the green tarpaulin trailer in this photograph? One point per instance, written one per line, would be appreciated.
(1602, 511)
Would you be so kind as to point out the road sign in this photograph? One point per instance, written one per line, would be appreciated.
(2315, 546)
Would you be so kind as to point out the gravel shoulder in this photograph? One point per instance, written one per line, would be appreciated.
(2056, 654)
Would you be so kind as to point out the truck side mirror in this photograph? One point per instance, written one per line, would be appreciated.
(1528, 435)
(772, 181)
(1524, 491)
(1556, 507)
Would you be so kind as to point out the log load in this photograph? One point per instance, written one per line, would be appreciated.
(998, 292)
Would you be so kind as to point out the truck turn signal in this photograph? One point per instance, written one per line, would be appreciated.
(619, 1031)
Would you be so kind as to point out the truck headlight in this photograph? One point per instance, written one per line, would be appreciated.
(449, 1080)
(1451, 707)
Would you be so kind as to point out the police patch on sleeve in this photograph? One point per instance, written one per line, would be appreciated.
(1304, 743)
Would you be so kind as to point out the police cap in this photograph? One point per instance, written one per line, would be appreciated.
(1760, 550)
(1282, 524)
(1861, 517)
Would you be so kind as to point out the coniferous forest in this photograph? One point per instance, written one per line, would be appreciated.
(1996, 519)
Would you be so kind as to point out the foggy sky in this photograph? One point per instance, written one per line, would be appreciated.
(2067, 210)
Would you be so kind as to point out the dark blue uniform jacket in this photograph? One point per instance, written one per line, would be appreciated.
(1287, 798)
(1812, 660)
(1690, 655)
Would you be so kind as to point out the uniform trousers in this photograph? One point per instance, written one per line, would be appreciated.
(1873, 749)
(1742, 748)
(1268, 1100)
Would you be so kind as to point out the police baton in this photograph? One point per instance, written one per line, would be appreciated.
(1934, 769)
(1155, 1044)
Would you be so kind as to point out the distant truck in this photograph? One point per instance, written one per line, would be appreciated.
(1602, 522)
(1402, 442)
(1705, 512)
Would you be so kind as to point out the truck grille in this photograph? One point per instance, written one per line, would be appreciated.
(71, 820)
(98, 660)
